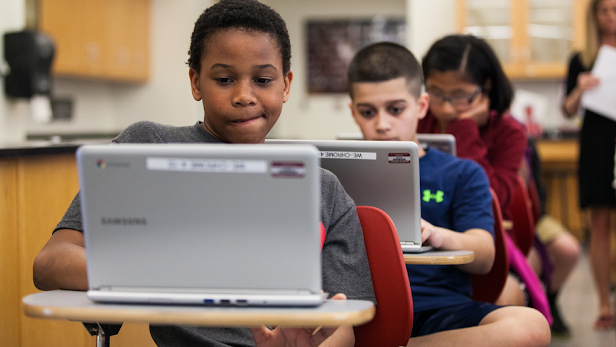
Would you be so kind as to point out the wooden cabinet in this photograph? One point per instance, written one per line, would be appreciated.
(103, 39)
(532, 38)
(559, 167)
(34, 194)
(9, 263)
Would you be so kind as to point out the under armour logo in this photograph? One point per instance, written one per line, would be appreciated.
(427, 196)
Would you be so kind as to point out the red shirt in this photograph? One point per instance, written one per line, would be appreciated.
(499, 146)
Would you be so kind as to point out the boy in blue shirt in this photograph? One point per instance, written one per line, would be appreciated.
(240, 61)
(385, 83)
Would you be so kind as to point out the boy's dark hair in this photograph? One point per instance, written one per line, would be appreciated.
(474, 57)
(384, 61)
(238, 14)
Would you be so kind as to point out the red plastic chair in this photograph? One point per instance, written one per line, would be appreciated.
(488, 287)
(393, 320)
(520, 211)
(533, 194)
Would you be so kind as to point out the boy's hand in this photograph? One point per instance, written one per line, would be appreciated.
(293, 337)
(586, 81)
(431, 234)
(478, 111)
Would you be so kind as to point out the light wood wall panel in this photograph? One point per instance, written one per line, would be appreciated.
(34, 194)
(46, 186)
(9, 259)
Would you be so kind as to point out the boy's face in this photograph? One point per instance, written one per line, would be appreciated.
(241, 84)
(387, 110)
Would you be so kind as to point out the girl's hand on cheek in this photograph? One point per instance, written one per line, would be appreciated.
(478, 111)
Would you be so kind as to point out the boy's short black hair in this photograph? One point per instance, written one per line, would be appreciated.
(478, 62)
(238, 14)
(384, 61)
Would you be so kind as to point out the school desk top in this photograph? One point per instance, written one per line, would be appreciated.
(75, 306)
(437, 257)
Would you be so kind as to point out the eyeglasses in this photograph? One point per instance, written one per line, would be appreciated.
(455, 101)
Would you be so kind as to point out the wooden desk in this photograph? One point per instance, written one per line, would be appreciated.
(75, 306)
(559, 161)
(439, 258)
(558, 155)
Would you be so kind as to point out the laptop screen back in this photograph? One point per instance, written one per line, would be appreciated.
(201, 217)
(383, 174)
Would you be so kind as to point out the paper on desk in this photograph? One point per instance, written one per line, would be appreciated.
(602, 99)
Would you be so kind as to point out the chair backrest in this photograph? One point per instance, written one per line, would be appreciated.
(488, 287)
(521, 214)
(535, 202)
(393, 320)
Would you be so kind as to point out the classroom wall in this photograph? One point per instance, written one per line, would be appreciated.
(109, 107)
(101, 106)
(324, 116)
(423, 28)
(165, 98)
(553, 91)
(12, 113)
(320, 116)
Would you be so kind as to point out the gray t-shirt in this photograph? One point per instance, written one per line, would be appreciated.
(344, 262)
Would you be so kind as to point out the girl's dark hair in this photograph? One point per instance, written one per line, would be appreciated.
(238, 14)
(477, 61)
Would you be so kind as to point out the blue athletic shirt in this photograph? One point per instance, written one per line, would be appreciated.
(455, 194)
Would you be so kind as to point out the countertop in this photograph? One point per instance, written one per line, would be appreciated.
(549, 150)
(40, 148)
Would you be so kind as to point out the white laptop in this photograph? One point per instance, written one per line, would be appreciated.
(213, 224)
(443, 142)
(383, 174)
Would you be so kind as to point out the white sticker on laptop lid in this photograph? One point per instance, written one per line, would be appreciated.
(288, 169)
(207, 165)
(348, 155)
(399, 158)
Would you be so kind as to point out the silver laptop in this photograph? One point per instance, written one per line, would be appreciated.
(443, 142)
(210, 224)
(383, 174)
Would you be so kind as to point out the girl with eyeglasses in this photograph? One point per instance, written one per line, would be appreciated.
(469, 98)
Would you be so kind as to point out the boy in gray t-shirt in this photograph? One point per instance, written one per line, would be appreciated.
(240, 68)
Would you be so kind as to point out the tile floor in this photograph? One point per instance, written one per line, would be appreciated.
(578, 304)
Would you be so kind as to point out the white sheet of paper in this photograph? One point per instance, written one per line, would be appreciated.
(602, 99)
